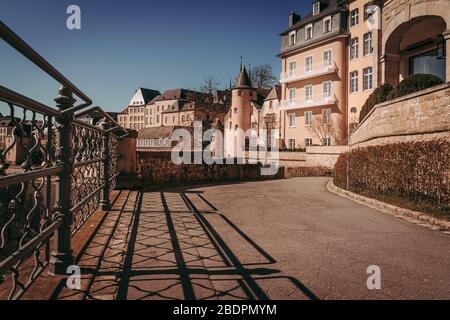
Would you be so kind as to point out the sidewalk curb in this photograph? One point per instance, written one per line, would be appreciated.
(411, 216)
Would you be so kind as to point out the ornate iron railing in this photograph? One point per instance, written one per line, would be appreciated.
(55, 171)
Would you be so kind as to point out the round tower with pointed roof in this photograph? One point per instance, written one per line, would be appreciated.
(241, 107)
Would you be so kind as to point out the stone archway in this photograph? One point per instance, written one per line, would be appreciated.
(409, 28)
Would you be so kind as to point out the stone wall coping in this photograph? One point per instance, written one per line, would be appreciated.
(404, 98)
(326, 149)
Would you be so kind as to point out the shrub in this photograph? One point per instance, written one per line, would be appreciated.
(417, 171)
(379, 95)
(414, 83)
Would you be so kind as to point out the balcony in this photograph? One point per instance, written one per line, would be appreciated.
(304, 103)
(316, 70)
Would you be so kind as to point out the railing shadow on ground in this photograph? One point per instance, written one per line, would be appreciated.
(160, 245)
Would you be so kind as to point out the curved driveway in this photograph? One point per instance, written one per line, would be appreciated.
(320, 244)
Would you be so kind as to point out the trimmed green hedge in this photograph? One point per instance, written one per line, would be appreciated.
(379, 95)
(414, 83)
(417, 171)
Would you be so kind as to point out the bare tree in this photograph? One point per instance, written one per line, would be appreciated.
(210, 84)
(267, 123)
(262, 76)
(327, 129)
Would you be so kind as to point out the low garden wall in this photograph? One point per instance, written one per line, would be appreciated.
(155, 168)
(424, 115)
(323, 156)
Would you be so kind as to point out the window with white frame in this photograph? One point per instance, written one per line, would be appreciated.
(309, 93)
(292, 38)
(316, 8)
(354, 17)
(309, 64)
(367, 11)
(326, 90)
(354, 48)
(354, 81)
(368, 78)
(292, 68)
(308, 142)
(308, 118)
(326, 141)
(292, 120)
(291, 144)
(326, 115)
(327, 25)
(368, 43)
(327, 58)
(291, 95)
(309, 32)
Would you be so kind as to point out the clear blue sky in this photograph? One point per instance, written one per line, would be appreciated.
(141, 43)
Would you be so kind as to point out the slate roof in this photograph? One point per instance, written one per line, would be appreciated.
(331, 7)
(149, 94)
(180, 93)
(157, 132)
(243, 81)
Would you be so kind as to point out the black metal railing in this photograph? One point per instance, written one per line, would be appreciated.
(56, 170)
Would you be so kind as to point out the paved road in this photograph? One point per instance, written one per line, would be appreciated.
(285, 239)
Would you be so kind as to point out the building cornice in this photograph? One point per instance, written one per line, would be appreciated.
(299, 49)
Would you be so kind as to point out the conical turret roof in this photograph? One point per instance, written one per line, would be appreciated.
(243, 80)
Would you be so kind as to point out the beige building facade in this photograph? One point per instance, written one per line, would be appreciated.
(133, 117)
(314, 71)
(330, 66)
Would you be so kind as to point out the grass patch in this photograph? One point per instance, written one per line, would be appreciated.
(426, 207)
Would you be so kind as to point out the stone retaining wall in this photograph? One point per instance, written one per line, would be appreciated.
(423, 115)
(157, 169)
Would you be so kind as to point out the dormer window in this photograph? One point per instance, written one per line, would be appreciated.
(309, 32)
(316, 8)
(292, 38)
(327, 25)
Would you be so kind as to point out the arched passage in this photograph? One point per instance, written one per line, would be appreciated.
(416, 46)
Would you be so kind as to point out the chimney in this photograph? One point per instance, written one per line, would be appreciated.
(293, 18)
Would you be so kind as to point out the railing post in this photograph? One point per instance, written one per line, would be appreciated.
(105, 204)
(61, 256)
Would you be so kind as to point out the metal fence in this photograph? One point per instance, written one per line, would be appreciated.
(55, 171)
